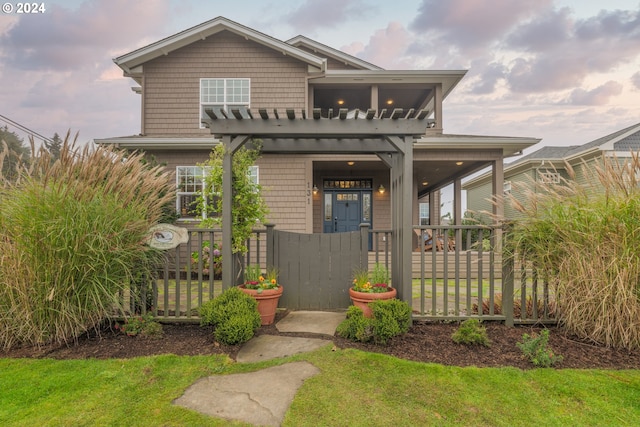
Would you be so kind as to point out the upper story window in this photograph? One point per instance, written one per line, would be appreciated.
(190, 183)
(224, 94)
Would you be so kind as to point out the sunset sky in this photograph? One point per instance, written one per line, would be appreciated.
(566, 71)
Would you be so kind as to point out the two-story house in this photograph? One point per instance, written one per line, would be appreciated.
(344, 141)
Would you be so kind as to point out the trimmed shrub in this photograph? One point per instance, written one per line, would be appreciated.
(389, 319)
(471, 332)
(235, 330)
(234, 315)
(356, 327)
(73, 235)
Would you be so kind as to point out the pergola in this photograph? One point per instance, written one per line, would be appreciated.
(389, 136)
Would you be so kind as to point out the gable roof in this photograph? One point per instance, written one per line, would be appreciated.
(622, 140)
(324, 50)
(200, 32)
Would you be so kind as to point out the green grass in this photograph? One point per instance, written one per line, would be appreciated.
(354, 388)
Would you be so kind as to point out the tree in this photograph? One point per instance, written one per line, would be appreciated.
(13, 153)
(53, 146)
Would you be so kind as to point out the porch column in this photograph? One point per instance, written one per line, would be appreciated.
(497, 182)
(374, 97)
(437, 106)
(401, 217)
(457, 210)
(457, 201)
(231, 145)
(227, 190)
(433, 209)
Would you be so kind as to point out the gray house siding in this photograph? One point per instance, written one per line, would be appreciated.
(171, 89)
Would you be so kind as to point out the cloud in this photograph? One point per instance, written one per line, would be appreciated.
(635, 79)
(488, 78)
(313, 14)
(597, 96)
(385, 47)
(542, 32)
(64, 39)
(469, 24)
(576, 50)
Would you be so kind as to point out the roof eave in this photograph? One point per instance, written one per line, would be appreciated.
(151, 143)
(448, 78)
(511, 146)
(331, 52)
(204, 30)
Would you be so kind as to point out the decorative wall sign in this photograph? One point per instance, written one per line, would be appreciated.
(167, 236)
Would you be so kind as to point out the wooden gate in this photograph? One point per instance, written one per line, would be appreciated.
(316, 269)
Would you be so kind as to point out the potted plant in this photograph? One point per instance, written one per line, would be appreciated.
(366, 289)
(265, 289)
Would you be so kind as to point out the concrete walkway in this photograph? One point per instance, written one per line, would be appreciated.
(250, 397)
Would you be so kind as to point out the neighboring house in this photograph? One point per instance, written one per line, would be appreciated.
(344, 141)
(548, 164)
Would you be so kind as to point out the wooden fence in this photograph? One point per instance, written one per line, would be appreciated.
(467, 277)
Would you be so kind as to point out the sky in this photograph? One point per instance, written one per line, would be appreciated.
(566, 71)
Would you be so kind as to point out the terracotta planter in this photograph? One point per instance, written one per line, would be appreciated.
(362, 299)
(267, 302)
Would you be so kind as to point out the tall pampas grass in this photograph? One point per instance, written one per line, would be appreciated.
(73, 234)
(586, 238)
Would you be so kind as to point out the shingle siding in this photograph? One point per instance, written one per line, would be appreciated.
(172, 82)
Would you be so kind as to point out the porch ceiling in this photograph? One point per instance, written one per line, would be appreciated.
(435, 173)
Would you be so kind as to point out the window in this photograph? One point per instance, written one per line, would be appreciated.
(224, 94)
(506, 188)
(190, 182)
(424, 213)
(546, 177)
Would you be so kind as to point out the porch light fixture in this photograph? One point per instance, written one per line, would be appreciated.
(340, 101)
(425, 183)
(351, 163)
(381, 189)
(389, 101)
(459, 163)
(315, 189)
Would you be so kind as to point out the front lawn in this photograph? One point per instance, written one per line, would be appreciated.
(354, 388)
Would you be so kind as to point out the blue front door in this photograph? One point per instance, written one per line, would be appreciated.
(346, 210)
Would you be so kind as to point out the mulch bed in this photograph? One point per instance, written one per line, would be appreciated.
(425, 342)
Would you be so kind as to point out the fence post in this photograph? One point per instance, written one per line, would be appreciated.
(270, 246)
(364, 246)
(507, 276)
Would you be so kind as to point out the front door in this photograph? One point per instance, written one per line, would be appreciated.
(346, 210)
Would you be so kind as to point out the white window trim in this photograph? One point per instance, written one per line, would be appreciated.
(225, 104)
(420, 212)
(548, 177)
(506, 188)
(254, 171)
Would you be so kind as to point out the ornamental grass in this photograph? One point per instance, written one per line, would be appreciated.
(586, 238)
(73, 233)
